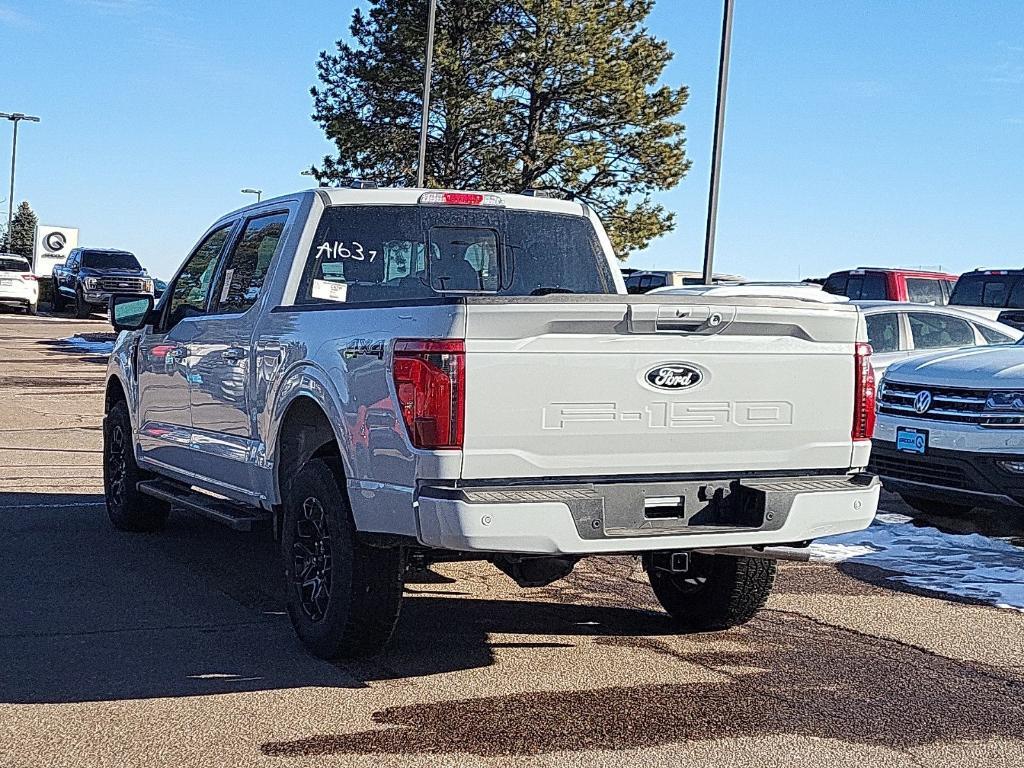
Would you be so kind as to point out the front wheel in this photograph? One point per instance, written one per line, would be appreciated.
(714, 592)
(82, 307)
(127, 508)
(58, 301)
(343, 595)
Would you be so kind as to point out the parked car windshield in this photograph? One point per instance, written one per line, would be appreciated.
(377, 253)
(109, 260)
(13, 264)
(978, 289)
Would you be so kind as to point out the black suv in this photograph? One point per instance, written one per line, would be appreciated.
(999, 291)
(90, 275)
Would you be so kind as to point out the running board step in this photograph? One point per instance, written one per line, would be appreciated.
(240, 517)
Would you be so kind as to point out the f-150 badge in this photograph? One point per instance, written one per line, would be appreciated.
(674, 376)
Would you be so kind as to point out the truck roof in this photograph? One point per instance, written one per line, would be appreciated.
(411, 196)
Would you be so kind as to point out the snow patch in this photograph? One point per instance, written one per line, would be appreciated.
(90, 346)
(971, 566)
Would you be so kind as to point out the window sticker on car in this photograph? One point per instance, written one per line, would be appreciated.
(324, 289)
(329, 251)
(228, 274)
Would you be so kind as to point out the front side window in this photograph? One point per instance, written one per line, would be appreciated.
(192, 286)
(931, 330)
(392, 253)
(883, 332)
(921, 290)
(249, 261)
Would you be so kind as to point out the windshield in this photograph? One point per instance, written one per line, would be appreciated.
(378, 253)
(13, 264)
(109, 260)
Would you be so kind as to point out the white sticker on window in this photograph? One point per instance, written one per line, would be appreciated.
(325, 289)
(227, 286)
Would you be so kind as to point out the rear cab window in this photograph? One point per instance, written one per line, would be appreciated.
(980, 289)
(381, 253)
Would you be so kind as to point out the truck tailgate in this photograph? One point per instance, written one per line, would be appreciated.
(597, 386)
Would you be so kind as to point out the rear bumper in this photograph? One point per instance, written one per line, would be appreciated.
(957, 476)
(567, 519)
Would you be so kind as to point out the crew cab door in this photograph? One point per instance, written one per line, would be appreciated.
(165, 424)
(220, 354)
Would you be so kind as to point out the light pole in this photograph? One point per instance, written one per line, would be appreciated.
(257, 192)
(14, 117)
(421, 169)
(716, 152)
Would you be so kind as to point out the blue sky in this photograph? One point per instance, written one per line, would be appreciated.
(862, 131)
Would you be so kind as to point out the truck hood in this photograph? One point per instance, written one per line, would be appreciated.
(997, 366)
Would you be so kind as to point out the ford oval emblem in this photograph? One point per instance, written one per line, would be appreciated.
(674, 376)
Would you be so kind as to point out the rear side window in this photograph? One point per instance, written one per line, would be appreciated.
(247, 266)
(394, 253)
(883, 332)
(836, 284)
(921, 290)
(932, 330)
(992, 336)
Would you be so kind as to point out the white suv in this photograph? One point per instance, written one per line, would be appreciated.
(950, 429)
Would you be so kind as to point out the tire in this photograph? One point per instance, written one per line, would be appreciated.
(31, 308)
(716, 592)
(82, 308)
(58, 302)
(927, 506)
(344, 597)
(127, 508)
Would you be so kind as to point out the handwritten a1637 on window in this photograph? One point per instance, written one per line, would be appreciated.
(337, 250)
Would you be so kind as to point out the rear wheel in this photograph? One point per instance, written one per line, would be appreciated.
(127, 508)
(31, 308)
(714, 592)
(927, 506)
(82, 307)
(343, 596)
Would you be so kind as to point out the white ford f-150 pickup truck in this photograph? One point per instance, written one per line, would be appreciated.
(395, 377)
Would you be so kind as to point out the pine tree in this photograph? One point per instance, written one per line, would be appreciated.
(549, 94)
(23, 231)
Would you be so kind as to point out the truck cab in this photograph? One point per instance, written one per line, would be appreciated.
(883, 284)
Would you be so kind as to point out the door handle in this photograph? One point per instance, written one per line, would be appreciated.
(234, 353)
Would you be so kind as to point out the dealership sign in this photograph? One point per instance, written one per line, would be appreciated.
(53, 244)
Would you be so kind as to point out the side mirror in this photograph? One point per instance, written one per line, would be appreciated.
(129, 312)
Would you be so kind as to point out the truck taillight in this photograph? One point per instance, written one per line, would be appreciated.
(864, 394)
(430, 380)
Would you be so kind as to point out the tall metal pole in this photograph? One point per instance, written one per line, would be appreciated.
(716, 153)
(14, 117)
(10, 197)
(421, 170)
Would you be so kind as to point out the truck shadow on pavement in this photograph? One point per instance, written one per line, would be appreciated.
(93, 614)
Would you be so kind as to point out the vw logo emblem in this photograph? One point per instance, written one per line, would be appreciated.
(923, 401)
(55, 241)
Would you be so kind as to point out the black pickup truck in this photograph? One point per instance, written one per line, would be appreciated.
(90, 275)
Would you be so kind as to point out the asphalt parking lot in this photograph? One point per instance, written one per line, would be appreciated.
(173, 649)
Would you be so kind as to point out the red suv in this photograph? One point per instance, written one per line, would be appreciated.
(870, 283)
